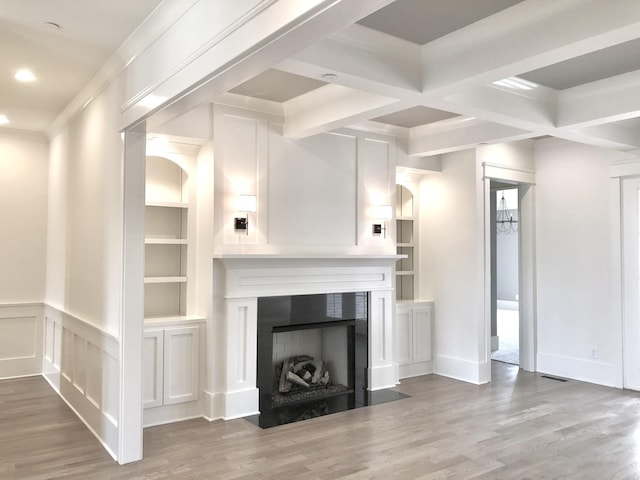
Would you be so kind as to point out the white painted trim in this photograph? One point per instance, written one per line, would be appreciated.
(74, 387)
(245, 18)
(415, 370)
(240, 403)
(508, 173)
(171, 413)
(245, 278)
(132, 315)
(617, 267)
(626, 168)
(28, 363)
(460, 369)
(584, 370)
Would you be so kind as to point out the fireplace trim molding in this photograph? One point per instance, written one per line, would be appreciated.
(238, 282)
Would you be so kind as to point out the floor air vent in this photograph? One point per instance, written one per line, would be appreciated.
(554, 378)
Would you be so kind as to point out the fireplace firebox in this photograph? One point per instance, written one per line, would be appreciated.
(311, 355)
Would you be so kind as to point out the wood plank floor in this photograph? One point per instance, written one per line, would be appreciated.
(521, 426)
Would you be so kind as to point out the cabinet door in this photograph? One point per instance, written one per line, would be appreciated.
(422, 318)
(403, 335)
(181, 364)
(152, 368)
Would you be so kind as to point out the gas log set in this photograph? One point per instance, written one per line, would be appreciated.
(303, 378)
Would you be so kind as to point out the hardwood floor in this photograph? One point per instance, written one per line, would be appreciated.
(521, 426)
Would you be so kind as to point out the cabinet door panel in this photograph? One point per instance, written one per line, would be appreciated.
(403, 336)
(181, 362)
(422, 334)
(152, 368)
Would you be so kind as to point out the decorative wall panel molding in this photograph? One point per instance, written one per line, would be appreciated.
(20, 340)
(81, 364)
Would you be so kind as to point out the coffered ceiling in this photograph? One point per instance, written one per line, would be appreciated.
(450, 75)
(446, 75)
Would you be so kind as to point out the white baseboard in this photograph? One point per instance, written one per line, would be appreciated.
(171, 413)
(585, 370)
(460, 369)
(240, 404)
(382, 377)
(415, 369)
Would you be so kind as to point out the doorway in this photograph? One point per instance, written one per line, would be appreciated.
(505, 291)
(631, 282)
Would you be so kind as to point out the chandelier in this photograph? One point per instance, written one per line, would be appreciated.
(504, 219)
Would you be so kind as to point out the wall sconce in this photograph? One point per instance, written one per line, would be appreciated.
(384, 213)
(246, 205)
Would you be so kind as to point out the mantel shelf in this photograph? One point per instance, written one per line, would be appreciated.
(269, 256)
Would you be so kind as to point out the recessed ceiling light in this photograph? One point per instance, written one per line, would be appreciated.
(4, 120)
(329, 76)
(25, 75)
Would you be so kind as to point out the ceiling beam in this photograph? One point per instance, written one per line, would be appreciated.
(331, 107)
(612, 99)
(530, 35)
(461, 135)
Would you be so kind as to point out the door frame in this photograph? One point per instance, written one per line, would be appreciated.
(525, 182)
(630, 252)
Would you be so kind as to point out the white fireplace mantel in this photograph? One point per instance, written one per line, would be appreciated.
(271, 275)
(241, 279)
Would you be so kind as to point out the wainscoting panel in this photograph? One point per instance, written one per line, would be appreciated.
(20, 340)
(81, 364)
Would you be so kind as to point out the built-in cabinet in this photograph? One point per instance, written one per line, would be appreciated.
(172, 350)
(171, 363)
(414, 317)
(412, 338)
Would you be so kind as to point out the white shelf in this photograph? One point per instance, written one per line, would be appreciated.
(404, 272)
(168, 204)
(407, 219)
(165, 241)
(405, 245)
(165, 280)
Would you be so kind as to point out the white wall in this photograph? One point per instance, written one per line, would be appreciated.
(84, 261)
(85, 265)
(85, 254)
(451, 268)
(23, 209)
(577, 307)
(315, 195)
(23, 195)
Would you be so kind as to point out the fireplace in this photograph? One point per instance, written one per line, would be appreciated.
(312, 355)
(280, 285)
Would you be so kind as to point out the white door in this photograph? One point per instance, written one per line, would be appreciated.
(631, 282)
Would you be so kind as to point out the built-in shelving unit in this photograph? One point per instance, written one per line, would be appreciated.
(405, 228)
(166, 242)
(172, 349)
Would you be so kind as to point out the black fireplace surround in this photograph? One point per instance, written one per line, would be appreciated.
(298, 312)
